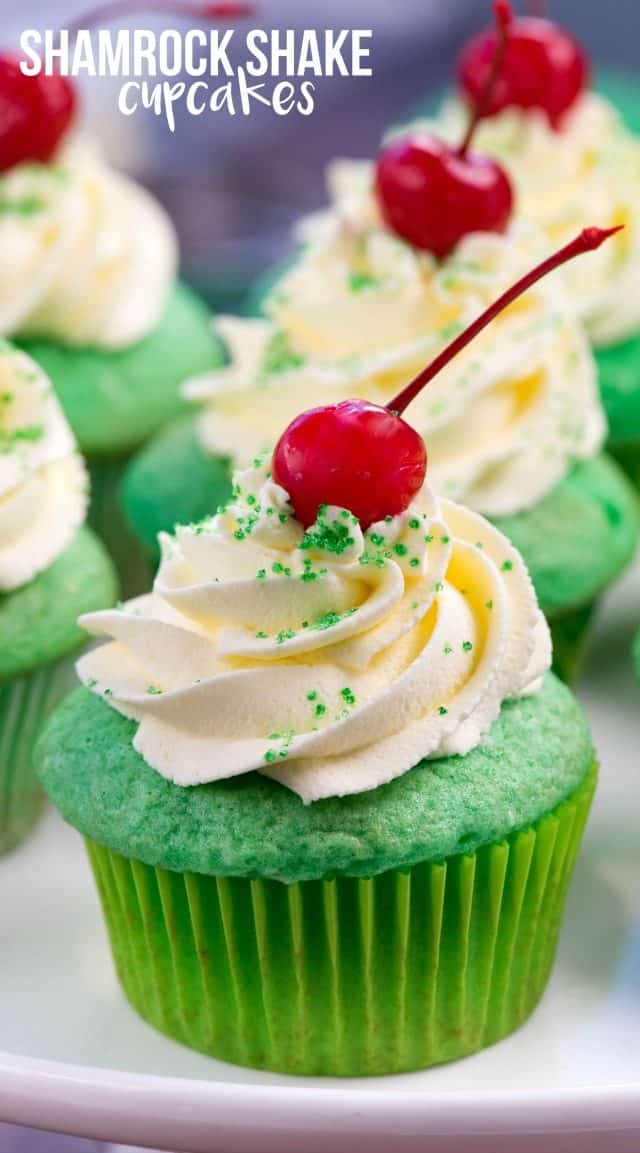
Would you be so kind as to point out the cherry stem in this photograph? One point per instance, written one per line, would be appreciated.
(503, 14)
(218, 10)
(588, 240)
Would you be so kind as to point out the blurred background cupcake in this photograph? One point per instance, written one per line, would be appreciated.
(51, 569)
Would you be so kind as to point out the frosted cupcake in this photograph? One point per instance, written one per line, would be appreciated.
(88, 286)
(571, 157)
(328, 769)
(514, 425)
(51, 569)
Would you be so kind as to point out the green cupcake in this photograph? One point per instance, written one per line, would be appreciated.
(513, 426)
(595, 158)
(51, 570)
(331, 795)
(91, 294)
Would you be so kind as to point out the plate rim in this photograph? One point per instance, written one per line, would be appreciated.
(64, 1094)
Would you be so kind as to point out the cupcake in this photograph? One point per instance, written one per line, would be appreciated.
(552, 122)
(331, 794)
(89, 289)
(514, 425)
(51, 569)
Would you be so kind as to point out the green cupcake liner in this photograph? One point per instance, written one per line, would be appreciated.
(24, 706)
(351, 976)
(131, 559)
(570, 636)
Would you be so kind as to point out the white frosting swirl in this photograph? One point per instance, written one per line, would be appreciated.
(333, 661)
(362, 312)
(43, 482)
(88, 257)
(588, 173)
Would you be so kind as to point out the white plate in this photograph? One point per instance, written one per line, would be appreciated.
(76, 1058)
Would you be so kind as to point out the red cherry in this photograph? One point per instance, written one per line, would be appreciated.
(432, 194)
(354, 447)
(544, 67)
(366, 458)
(35, 113)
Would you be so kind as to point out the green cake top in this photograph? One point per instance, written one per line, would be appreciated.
(578, 538)
(115, 399)
(38, 622)
(535, 755)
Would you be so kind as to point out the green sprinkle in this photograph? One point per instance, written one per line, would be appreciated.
(489, 605)
(414, 562)
(442, 712)
(277, 567)
(388, 520)
(447, 649)
(414, 522)
(360, 281)
(467, 646)
(312, 696)
(262, 573)
(320, 709)
(239, 534)
(285, 635)
(91, 683)
(445, 539)
(270, 756)
(153, 691)
(261, 636)
(429, 537)
(108, 692)
(279, 356)
(438, 587)
(27, 434)
(506, 566)
(377, 539)
(347, 695)
(283, 517)
(400, 549)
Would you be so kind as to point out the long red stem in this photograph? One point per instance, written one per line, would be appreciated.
(587, 241)
(220, 10)
(503, 14)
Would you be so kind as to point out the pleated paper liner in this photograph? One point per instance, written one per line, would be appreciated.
(346, 977)
(24, 706)
(570, 637)
(134, 567)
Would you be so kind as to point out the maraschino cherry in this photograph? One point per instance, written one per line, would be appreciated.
(433, 194)
(36, 112)
(364, 457)
(544, 68)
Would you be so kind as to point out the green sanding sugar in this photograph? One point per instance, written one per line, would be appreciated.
(537, 753)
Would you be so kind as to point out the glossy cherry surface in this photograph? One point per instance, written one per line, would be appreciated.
(433, 194)
(354, 454)
(544, 68)
(35, 113)
(366, 458)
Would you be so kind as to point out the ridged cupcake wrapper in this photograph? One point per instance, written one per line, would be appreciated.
(348, 977)
(570, 635)
(24, 705)
(105, 516)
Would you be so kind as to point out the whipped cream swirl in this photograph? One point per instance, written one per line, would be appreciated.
(587, 173)
(89, 257)
(43, 482)
(331, 660)
(362, 312)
